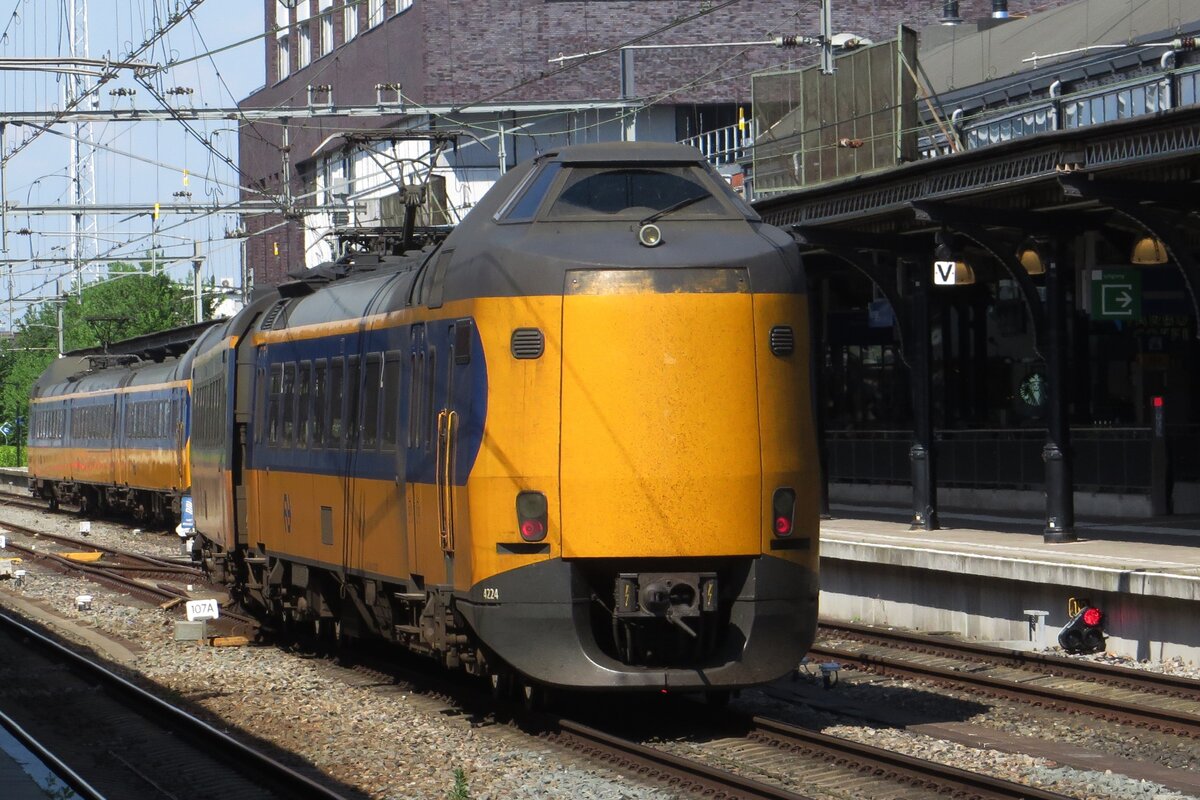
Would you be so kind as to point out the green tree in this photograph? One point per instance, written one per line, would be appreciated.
(130, 300)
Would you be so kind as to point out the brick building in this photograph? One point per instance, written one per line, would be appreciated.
(483, 70)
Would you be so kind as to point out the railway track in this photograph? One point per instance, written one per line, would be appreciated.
(738, 752)
(15, 500)
(798, 756)
(1141, 698)
(137, 575)
(124, 741)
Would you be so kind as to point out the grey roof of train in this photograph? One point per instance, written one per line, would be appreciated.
(604, 152)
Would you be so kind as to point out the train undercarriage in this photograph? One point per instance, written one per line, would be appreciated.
(143, 505)
(702, 625)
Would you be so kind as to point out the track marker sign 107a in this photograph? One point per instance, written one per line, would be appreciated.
(202, 609)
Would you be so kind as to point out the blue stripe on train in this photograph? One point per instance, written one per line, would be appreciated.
(469, 400)
(122, 402)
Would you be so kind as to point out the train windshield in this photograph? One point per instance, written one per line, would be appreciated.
(636, 193)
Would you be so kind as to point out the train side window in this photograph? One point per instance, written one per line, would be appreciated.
(417, 367)
(320, 401)
(302, 400)
(288, 423)
(276, 408)
(352, 395)
(372, 389)
(260, 405)
(430, 382)
(391, 398)
(336, 392)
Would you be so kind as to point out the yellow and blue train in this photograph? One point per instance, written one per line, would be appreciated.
(570, 446)
(110, 433)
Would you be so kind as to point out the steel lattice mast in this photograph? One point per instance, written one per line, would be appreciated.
(82, 163)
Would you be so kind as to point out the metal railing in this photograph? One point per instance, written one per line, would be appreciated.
(728, 145)
(1104, 459)
(1183, 452)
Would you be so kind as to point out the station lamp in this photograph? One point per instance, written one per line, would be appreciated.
(1031, 259)
(1148, 251)
(951, 267)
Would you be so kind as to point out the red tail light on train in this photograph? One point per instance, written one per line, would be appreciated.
(784, 509)
(531, 516)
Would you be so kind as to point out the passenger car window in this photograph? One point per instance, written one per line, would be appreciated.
(276, 404)
(335, 402)
(391, 398)
(320, 394)
(302, 398)
(288, 426)
(372, 388)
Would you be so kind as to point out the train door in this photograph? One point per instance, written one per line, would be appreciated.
(444, 450)
(451, 387)
(392, 440)
(179, 415)
(415, 440)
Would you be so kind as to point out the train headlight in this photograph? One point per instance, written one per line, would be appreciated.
(650, 235)
(531, 516)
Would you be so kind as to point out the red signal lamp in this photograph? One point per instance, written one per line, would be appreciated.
(1084, 633)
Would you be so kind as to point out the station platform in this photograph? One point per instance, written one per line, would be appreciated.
(14, 479)
(16, 780)
(980, 574)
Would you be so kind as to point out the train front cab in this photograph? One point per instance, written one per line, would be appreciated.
(679, 547)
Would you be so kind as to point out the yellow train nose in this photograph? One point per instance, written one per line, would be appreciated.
(658, 457)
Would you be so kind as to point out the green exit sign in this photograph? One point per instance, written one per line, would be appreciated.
(1116, 294)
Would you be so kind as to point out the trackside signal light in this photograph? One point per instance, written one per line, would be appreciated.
(531, 516)
(783, 507)
(1084, 633)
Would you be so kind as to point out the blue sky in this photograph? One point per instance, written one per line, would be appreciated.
(38, 174)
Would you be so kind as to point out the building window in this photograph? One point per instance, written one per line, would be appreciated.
(304, 56)
(403, 5)
(284, 58)
(351, 20)
(303, 37)
(374, 12)
(326, 22)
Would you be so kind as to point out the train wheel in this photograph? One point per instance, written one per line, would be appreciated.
(87, 502)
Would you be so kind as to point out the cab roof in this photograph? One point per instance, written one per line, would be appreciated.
(624, 152)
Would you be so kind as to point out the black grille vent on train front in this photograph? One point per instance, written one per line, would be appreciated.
(783, 340)
(528, 343)
(272, 315)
